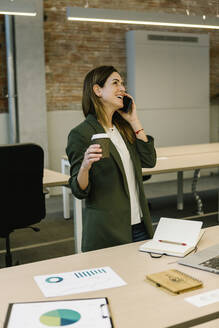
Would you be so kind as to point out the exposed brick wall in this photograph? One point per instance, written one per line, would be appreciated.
(73, 48)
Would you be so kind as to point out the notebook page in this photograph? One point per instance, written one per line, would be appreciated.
(178, 230)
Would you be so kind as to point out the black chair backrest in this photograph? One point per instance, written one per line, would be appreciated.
(21, 186)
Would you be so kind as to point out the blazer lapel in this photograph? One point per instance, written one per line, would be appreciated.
(113, 151)
(91, 119)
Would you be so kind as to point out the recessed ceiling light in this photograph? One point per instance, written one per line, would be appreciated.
(140, 18)
(17, 7)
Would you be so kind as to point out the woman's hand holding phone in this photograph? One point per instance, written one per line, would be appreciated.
(127, 102)
(128, 111)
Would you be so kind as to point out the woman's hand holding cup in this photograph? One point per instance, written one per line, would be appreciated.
(92, 154)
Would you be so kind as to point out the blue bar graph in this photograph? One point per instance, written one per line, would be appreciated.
(90, 273)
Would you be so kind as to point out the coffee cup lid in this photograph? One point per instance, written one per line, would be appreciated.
(99, 136)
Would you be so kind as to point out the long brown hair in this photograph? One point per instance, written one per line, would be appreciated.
(91, 103)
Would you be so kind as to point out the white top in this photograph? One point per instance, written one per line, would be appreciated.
(120, 145)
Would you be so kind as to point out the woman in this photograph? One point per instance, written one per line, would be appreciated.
(116, 211)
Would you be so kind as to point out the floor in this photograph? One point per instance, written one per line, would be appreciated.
(56, 236)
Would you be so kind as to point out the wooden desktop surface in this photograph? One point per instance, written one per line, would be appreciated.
(53, 178)
(185, 162)
(183, 158)
(188, 149)
(138, 304)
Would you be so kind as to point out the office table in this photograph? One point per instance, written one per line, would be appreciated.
(54, 179)
(183, 158)
(178, 159)
(137, 304)
(169, 159)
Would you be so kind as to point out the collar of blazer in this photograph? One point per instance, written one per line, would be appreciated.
(91, 119)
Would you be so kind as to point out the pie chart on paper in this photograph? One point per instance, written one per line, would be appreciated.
(60, 318)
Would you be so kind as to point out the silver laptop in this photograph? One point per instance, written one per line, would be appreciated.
(207, 260)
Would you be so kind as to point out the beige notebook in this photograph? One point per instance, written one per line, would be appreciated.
(174, 281)
(175, 237)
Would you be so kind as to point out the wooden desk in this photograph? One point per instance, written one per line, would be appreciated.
(185, 158)
(188, 149)
(54, 179)
(169, 159)
(138, 304)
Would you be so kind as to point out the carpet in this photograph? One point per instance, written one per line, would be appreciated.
(167, 207)
(55, 239)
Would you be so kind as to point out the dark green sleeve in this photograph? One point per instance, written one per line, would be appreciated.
(147, 152)
(76, 147)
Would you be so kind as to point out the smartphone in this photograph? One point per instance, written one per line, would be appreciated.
(127, 102)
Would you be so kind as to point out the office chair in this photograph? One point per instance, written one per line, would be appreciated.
(22, 201)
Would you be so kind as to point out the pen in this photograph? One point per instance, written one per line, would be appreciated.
(172, 242)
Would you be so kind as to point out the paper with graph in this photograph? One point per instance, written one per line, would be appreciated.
(58, 284)
(80, 313)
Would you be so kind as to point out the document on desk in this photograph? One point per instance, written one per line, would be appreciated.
(66, 283)
(81, 313)
(174, 237)
(203, 299)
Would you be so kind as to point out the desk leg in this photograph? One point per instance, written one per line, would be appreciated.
(180, 190)
(197, 198)
(66, 202)
(77, 206)
(65, 192)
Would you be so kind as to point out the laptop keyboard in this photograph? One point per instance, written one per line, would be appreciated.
(212, 263)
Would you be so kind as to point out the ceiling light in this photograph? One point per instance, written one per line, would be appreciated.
(139, 18)
(17, 7)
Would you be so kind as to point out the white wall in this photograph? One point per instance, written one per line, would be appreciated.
(59, 125)
(170, 83)
(4, 135)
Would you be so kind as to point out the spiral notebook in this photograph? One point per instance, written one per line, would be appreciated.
(175, 237)
(174, 281)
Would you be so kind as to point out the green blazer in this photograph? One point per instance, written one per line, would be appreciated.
(107, 214)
